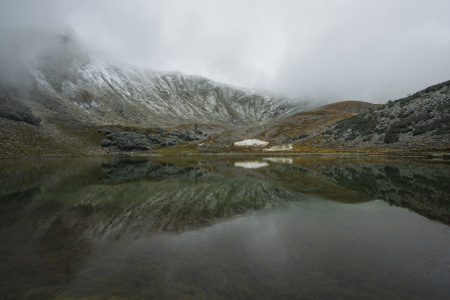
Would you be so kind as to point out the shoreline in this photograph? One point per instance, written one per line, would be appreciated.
(443, 155)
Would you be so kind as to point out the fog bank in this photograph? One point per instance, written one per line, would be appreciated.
(322, 50)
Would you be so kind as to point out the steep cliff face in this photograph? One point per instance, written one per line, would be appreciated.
(68, 80)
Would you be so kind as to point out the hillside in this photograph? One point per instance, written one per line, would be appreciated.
(291, 128)
(299, 125)
(417, 121)
(351, 106)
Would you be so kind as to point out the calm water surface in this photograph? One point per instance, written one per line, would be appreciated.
(224, 228)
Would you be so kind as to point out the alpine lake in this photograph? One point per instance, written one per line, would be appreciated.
(225, 227)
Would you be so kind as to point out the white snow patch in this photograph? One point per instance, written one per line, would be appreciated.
(84, 106)
(251, 142)
(282, 160)
(94, 104)
(279, 148)
(251, 164)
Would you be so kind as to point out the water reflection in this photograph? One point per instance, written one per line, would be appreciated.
(111, 197)
(229, 227)
(251, 164)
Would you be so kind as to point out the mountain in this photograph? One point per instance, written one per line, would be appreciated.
(63, 77)
(57, 99)
(418, 122)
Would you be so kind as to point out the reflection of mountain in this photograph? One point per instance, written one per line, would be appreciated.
(419, 186)
(306, 179)
(138, 170)
(12, 204)
(114, 198)
(66, 207)
(48, 232)
(164, 196)
(124, 198)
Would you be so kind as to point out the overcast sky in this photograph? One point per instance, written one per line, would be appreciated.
(329, 50)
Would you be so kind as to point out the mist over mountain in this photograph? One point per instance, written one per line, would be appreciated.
(53, 84)
(328, 50)
(52, 68)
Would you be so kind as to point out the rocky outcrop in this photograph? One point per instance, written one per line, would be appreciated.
(124, 140)
(128, 141)
(171, 137)
(135, 139)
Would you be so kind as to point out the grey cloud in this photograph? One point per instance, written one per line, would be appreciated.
(326, 50)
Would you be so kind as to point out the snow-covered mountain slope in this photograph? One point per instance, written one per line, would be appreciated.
(104, 93)
(68, 80)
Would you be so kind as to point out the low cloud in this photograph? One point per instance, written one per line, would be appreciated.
(321, 50)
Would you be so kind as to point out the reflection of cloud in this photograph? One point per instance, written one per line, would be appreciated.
(281, 160)
(251, 164)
